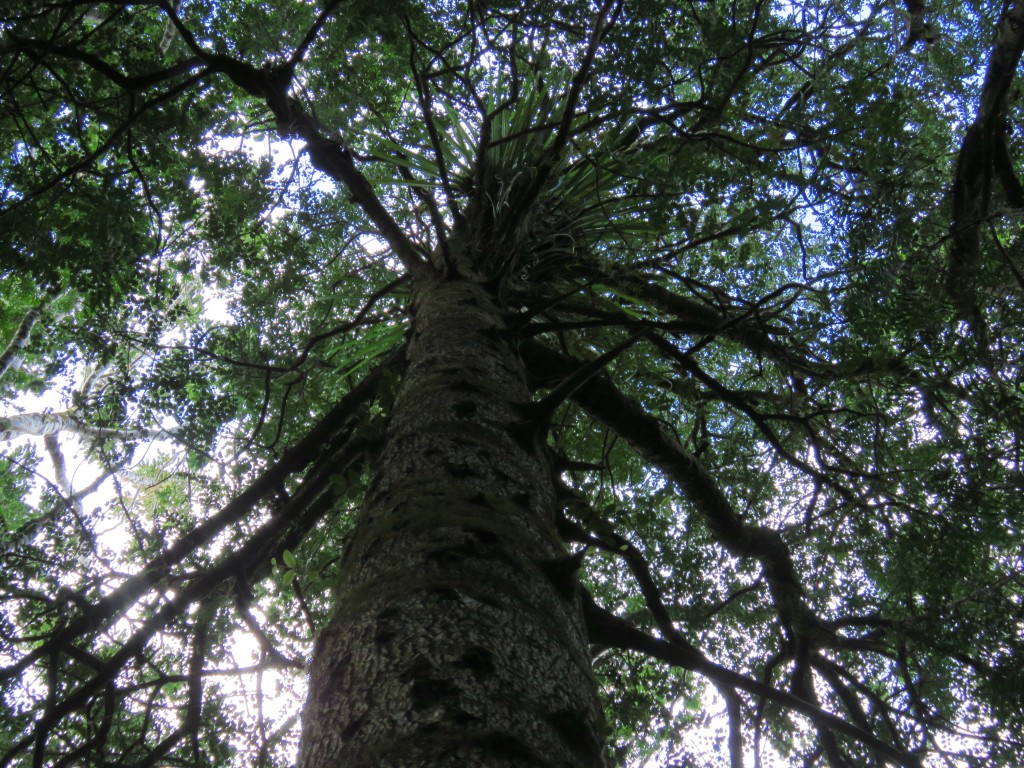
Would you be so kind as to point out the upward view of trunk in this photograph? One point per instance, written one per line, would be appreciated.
(452, 641)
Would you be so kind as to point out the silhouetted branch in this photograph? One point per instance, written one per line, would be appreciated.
(323, 444)
(607, 629)
(976, 162)
(661, 449)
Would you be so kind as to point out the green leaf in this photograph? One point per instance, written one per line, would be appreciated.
(288, 558)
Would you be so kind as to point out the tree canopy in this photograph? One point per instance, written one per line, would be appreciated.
(763, 264)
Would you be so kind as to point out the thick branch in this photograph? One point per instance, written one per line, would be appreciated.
(700, 318)
(972, 186)
(329, 435)
(662, 449)
(38, 51)
(42, 424)
(60, 469)
(327, 155)
(240, 568)
(313, 32)
(687, 363)
(622, 547)
(917, 27)
(608, 629)
(9, 357)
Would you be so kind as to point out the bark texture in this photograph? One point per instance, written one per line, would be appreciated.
(457, 637)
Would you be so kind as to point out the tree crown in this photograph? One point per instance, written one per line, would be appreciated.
(761, 260)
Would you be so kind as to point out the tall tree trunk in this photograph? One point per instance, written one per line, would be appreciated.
(454, 641)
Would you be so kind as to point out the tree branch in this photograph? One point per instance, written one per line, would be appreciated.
(38, 51)
(42, 424)
(972, 185)
(326, 442)
(9, 358)
(327, 155)
(239, 567)
(310, 37)
(661, 449)
(606, 628)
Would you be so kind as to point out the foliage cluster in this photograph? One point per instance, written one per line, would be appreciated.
(797, 223)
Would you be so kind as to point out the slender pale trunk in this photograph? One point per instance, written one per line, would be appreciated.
(452, 641)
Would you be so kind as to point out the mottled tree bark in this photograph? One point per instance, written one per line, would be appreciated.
(454, 641)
